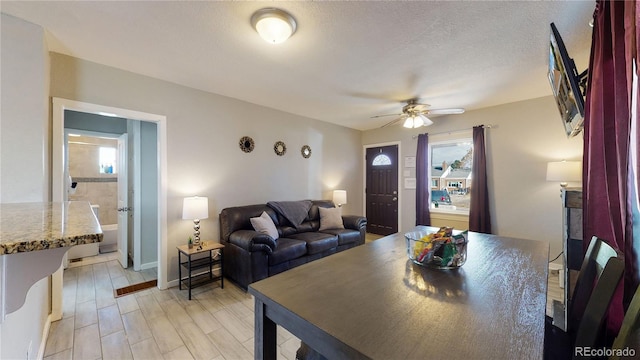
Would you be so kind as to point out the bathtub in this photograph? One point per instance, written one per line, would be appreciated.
(110, 238)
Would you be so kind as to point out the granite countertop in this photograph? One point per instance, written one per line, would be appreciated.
(28, 227)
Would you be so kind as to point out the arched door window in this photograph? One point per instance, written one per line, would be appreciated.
(381, 160)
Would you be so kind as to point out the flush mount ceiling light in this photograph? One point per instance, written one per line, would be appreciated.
(274, 25)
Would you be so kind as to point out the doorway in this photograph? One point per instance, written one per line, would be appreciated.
(381, 189)
(59, 181)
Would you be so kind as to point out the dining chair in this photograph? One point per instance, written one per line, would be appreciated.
(630, 328)
(599, 276)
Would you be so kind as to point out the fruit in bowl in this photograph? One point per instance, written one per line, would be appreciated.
(440, 249)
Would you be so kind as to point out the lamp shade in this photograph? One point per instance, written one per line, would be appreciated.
(195, 207)
(339, 197)
(564, 171)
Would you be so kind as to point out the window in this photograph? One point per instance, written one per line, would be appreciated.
(451, 183)
(107, 160)
(381, 160)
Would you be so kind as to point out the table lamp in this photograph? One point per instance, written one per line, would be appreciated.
(195, 208)
(564, 171)
(339, 197)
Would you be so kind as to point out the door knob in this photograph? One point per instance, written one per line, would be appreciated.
(124, 209)
(394, 199)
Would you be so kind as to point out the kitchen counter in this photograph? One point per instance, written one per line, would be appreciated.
(29, 227)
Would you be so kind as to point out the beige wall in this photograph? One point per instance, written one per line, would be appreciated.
(84, 157)
(204, 158)
(526, 135)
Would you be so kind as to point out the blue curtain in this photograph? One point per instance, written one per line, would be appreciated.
(423, 182)
(479, 216)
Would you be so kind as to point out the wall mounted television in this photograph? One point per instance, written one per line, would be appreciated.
(566, 84)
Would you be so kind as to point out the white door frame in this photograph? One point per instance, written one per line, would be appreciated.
(58, 180)
(364, 177)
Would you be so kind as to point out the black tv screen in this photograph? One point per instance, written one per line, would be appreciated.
(565, 83)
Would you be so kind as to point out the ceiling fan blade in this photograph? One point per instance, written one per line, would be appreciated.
(444, 111)
(395, 121)
(377, 116)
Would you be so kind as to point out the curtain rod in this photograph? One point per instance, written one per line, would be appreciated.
(489, 126)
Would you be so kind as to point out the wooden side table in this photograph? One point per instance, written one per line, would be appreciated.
(200, 268)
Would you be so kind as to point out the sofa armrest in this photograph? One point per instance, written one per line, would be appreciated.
(251, 240)
(354, 222)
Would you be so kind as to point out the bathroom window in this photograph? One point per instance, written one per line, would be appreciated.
(108, 160)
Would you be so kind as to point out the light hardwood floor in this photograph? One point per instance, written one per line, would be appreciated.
(152, 324)
(161, 324)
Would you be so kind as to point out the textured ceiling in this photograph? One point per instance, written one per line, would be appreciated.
(347, 61)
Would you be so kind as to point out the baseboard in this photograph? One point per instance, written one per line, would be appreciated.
(150, 265)
(45, 337)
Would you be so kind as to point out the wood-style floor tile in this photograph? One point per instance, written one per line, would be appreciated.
(60, 336)
(228, 345)
(197, 342)
(204, 319)
(175, 312)
(165, 334)
(86, 343)
(181, 353)
(86, 314)
(238, 328)
(109, 320)
(127, 303)
(116, 347)
(146, 350)
(136, 326)
(149, 306)
(63, 355)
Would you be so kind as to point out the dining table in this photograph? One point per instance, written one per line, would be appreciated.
(373, 302)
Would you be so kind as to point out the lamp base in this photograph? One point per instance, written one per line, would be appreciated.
(196, 232)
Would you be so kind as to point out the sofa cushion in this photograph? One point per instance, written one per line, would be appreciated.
(345, 236)
(264, 224)
(316, 241)
(331, 218)
(287, 249)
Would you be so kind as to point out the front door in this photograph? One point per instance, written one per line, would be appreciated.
(382, 190)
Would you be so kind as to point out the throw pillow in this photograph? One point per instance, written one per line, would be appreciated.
(330, 218)
(265, 225)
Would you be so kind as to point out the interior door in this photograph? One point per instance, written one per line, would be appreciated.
(123, 202)
(382, 189)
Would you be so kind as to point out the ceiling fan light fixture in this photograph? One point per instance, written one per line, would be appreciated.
(274, 25)
(408, 123)
(426, 121)
(417, 121)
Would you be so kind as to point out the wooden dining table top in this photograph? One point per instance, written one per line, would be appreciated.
(373, 302)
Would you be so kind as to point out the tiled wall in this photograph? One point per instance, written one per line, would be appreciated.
(98, 189)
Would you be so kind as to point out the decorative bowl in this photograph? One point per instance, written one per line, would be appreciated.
(441, 249)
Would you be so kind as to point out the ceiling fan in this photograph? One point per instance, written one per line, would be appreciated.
(414, 114)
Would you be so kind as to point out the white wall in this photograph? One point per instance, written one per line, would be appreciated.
(24, 160)
(526, 135)
(24, 113)
(203, 131)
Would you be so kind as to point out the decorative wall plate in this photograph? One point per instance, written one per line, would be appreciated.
(246, 144)
(306, 151)
(280, 148)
